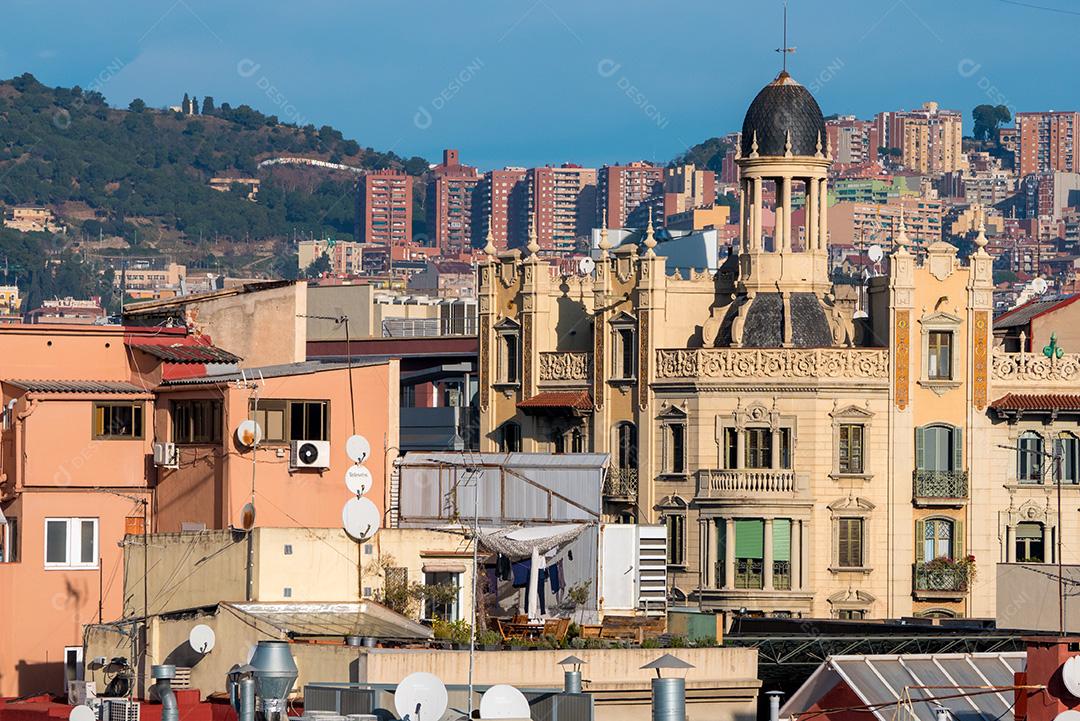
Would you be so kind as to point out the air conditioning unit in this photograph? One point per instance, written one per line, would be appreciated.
(166, 456)
(309, 454)
(82, 693)
(120, 709)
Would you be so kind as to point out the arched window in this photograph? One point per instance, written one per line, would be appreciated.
(938, 447)
(1029, 542)
(626, 445)
(937, 538)
(1068, 449)
(510, 437)
(1029, 458)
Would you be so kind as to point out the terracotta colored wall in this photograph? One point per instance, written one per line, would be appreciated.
(44, 610)
(213, 483)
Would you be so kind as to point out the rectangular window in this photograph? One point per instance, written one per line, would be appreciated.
(196, 421)
(785, 447)
(758, 448)
(627, 353)
(408, 396)
(781, 531)
(73, 665)
(850, 542)
(1029, 457)
(283, 421)
(1029, 543)
(444, 591)
(749, 553)
(676, 538)
(939, 358)
(9, 541)
(676, 448)
(510, 358)
(731, 448)
(851, 448)
(118, 421)
(851, 614)
(71, 543)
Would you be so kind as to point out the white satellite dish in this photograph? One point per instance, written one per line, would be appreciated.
(202, 638)
(358, 480)
(875, 253)
(1068, 715)
(1070, 676)
(360, 518)
(248, 433)
(586, 266)
(504, 702)
(420, 697)
(357, 448)
(1039, 285)
(82, 713)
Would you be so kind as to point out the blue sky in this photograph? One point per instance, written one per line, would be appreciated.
(527, 82)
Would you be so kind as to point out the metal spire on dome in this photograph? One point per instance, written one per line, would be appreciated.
(489, 249)
(785, 49)
(534, 245)
(604, 244)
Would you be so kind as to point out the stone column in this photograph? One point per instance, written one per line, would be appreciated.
(1010, 544)
(703, 555)
(756, 237)
(729, 553)
(823, 214)
(811, 205)
(1049, 549)
(767, 563)
(774, 445)
(713, 552)
(740, 448)
(796, 555)
(786, 195)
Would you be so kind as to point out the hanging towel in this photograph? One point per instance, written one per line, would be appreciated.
(555, 576)
(521, 570)
(502, 563)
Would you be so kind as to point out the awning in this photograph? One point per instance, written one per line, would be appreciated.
(1040, 402)
(574, 402)
(437, 566)
(333, 619)
(85, 387)
(188, 353)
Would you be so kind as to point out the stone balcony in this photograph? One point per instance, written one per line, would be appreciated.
(940, 488)
(780, 364)
(748, 483)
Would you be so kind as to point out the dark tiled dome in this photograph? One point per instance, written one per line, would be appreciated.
(764, 324)
(783, 105)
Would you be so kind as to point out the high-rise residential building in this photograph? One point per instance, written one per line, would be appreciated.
(852, 141)
(1045, 141)
(385, 207)
(626, 192)
(929, 139)
(502, 201)
(450, 193)
(687, 187)
(562, 202)
(1046, 194)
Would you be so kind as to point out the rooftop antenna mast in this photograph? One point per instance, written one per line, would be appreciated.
(785, 49)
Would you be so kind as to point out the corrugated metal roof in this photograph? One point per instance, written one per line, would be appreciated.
(274, 371)
(188, 353)
(334, 619)
(1037, 402)
(55, 386)
(919, 683)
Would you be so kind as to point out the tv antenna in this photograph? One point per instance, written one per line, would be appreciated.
(785, 49)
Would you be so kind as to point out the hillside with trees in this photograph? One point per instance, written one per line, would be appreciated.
(66, 148)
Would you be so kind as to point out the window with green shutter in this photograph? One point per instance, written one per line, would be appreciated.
(749, 553)
(781, 550)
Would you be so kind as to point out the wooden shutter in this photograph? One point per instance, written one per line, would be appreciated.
(849, 551)
(957, 449)
(958, 539)
(920, 447)
(920, 540)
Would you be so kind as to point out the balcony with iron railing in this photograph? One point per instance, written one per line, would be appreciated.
(940, 488)
(747, 483)
(621, 484)
(942, 578)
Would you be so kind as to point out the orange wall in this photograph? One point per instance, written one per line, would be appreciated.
(214, 482)
(44, 609)
(71, 353)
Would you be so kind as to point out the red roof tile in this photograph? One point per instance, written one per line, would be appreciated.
(577, 400)
(1037, 402)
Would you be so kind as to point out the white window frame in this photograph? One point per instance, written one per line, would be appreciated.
(73, 544)
(9, 534)
(948, 323)
(79, 670)
(459, 609)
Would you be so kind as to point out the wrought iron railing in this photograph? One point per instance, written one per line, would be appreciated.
(781, 575)
(621, 483)
(939, 576)
(749, 573)
(941, 484)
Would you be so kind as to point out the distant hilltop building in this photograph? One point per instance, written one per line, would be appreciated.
(929, 139)
(79, 311)
(224, 184)
(1046, 141)
(31, 219)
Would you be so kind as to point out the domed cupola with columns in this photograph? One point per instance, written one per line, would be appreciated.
(783, 286)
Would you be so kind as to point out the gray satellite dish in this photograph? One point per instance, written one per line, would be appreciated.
(1070, 675)
(358, 480)
(360, 518)
(357, 448)
(875, 253)
(503, 701)
(248, 433)
(586, 266)
(82, 713)
(202, 638)
(1039, 285)
(420, 697)
(247, 516)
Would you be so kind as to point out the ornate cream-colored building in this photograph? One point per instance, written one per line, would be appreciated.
(807, 459)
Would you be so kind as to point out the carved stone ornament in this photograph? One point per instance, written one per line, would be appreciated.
(564, 366)
(772, 363)
(1032, 367)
